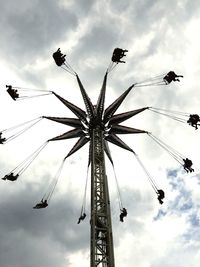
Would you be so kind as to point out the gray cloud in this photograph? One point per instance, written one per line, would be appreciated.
(32, 29)
(39, 237)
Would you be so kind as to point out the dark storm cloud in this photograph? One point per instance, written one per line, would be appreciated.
(98, 41)
(32, 28)
(166, 23)
(138, 205)
(39, 237)
(150, 14)
(97, 47)
(81, 8)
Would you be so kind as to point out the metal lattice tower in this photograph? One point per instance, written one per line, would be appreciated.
(102, 253)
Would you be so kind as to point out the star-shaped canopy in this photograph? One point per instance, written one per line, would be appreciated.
(97, 116)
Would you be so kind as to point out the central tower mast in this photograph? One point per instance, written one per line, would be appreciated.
(102, 252)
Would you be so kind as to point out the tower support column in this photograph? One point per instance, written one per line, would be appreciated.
(102, 251)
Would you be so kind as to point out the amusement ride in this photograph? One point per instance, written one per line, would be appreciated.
(98, 126)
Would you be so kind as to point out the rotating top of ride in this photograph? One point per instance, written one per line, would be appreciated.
(97, 116)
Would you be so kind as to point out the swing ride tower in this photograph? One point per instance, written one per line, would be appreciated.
(98, 127)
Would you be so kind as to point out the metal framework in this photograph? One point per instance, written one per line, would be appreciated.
(102, 253)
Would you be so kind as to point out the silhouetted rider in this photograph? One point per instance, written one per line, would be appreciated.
(2, 140)
(43, 204)
(171, 76)
(161, 196)
(12, 92)
(187, 165)
(59, 57)
(10, 177)
(193, 120)
(118, 54)
(81, 218)
(123, 214)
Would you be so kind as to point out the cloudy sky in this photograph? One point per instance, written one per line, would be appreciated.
(160, 36)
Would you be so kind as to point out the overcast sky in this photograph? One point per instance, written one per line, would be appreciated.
(160, 36)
